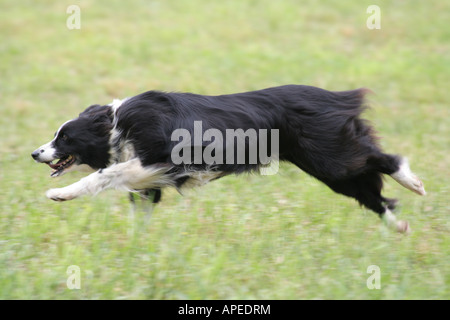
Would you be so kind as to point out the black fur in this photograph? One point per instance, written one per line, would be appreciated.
(87, 137)
(321, 132)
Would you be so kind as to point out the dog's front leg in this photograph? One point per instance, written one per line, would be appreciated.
(73, 191)
(92, 184)
(130, 175)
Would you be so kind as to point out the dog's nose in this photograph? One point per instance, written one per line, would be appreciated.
(35, 154)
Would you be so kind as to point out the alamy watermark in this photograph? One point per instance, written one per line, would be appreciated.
(74, 277)
(374, 280)
(210, 147)
(74, 20)
(374, 20)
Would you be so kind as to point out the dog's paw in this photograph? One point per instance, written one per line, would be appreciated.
(61, 194)
(403, 227)
(409, 180)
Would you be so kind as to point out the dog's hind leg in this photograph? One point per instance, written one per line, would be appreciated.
(132, 212)
(142, 202)
(392, 222)
(398, 168)
(130, 176)
(149, 198)
(366, 188)
(406, 178)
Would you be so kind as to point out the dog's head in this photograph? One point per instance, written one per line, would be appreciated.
(81, 143)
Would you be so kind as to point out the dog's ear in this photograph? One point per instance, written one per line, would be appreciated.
(92, 110)
(97, 113)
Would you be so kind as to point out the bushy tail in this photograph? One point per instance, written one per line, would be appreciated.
(354, 100)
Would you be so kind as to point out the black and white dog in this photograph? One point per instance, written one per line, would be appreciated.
(129, 144)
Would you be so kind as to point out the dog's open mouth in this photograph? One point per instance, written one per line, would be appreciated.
(61, 165)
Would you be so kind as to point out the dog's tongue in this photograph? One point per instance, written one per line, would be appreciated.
(54, 166)
(60, 162)
(59, 166)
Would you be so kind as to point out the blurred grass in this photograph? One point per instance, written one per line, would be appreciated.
(278, 237)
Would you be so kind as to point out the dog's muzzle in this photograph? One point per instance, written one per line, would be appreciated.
(44, 153)
(35, 154)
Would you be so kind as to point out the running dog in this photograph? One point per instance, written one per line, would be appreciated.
(129, 144)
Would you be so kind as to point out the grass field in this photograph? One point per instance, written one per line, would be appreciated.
(285, 236)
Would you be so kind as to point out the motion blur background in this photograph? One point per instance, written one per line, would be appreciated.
(285, 236)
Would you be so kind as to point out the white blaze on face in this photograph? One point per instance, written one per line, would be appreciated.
(47, 152)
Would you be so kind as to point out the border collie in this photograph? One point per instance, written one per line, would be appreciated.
(129, 143)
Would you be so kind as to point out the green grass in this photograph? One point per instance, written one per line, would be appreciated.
(278, 237)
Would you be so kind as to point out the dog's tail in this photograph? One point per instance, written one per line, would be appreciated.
(335, 105)
(350, 100)
(344, 109)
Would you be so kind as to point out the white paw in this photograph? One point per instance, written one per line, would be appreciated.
(394, 224)
(409, 180)
(403, 227)
(61, 194)
(417, 186)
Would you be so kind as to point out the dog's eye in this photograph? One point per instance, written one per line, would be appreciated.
(64, 137)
